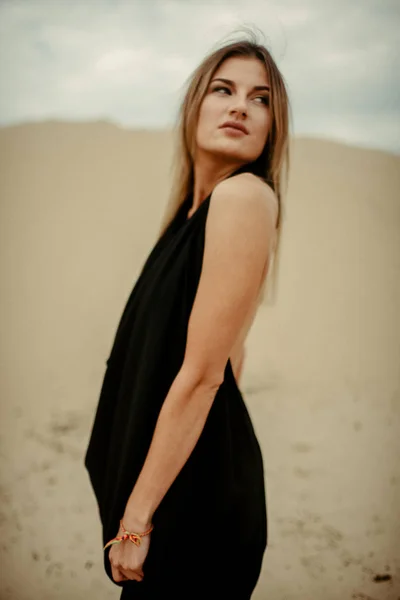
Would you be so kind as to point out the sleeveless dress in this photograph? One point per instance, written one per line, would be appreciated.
(210, 529)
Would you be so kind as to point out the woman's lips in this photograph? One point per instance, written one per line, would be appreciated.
(233, 130)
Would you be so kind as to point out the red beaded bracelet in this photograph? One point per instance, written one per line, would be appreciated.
(135, 538)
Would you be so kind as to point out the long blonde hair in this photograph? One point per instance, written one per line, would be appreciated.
(271, 163)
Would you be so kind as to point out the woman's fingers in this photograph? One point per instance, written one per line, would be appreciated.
(121, 574)
(117, 574)
(133, 575)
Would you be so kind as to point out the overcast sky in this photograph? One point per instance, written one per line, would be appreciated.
(127, 61)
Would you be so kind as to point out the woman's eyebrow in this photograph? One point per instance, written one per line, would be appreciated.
(256, 87)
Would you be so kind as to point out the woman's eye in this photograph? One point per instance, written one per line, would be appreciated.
(221, 87)
(264, 100)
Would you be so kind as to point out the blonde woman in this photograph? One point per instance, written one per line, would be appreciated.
(173, 458)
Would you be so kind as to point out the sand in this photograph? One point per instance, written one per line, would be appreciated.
(80, 208)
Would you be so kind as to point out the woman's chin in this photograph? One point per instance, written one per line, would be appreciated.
(229, 150)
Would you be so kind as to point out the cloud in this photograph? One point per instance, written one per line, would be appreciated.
(128, 61)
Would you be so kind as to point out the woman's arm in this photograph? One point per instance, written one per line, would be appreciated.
(238, 235)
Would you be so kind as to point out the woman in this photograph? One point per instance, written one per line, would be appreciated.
(173, 458)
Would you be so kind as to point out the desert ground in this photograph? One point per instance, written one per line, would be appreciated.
(81, 205)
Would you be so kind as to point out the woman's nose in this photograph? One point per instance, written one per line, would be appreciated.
(239, 106)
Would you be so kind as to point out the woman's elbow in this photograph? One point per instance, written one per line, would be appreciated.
(205, 375)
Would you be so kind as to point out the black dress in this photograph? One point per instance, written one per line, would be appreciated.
(210, 530)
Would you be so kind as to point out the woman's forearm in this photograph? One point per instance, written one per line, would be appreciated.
(178, 428)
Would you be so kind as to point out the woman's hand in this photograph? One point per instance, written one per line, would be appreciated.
(127, 558)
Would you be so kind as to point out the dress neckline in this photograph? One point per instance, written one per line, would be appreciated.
(187, 201)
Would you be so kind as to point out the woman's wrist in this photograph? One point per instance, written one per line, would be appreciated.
(136, 521)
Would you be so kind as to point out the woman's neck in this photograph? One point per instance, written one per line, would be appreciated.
(207, 174)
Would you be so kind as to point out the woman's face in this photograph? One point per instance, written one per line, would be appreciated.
(239, 92)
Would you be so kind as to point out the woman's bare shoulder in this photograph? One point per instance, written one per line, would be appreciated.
(246, 186)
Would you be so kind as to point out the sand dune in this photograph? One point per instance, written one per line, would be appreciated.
(80, 209)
